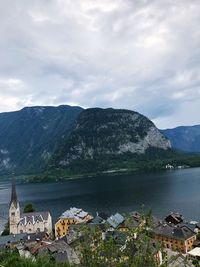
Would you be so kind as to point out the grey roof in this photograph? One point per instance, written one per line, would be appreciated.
(179, 261)
(33, 217)
(97, 220)
(189, 225)
(182, 233)
(35, 236)
(71, 236)
(115, 220)
(4, 240)
(63, 252)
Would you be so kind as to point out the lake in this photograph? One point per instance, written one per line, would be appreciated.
(163, 192)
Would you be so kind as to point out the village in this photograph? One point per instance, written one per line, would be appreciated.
(32, 234)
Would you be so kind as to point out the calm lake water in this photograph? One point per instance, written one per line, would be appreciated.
(163, 192)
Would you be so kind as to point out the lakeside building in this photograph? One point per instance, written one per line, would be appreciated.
(70, 217)
(174, 237)
(27, 222)
(174, 218)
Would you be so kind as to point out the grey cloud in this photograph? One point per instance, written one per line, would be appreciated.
(141, 55)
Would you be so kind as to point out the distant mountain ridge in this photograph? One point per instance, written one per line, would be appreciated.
(34, 138)
(185, 138)
(29, 137)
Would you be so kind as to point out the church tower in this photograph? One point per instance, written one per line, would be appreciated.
(14, 211)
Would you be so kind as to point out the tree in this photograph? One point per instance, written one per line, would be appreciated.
(135, 250)
(6, 230)
(29, 208)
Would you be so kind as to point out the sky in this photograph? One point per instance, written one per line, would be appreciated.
(135, 54)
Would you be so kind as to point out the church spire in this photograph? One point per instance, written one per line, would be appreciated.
(13, 194)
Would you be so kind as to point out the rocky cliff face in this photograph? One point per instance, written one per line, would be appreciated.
(99, 132)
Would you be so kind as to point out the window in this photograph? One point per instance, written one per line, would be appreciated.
(13, 213)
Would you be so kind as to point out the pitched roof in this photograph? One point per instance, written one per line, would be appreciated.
(179, 261)
(63, 252)
(75, 213)
(115, 220)
(11, 239)
(195, 252)
(97, 220)
(182, 233)
(33, 217)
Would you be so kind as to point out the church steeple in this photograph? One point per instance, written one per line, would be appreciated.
(13, 194)
(14, 210)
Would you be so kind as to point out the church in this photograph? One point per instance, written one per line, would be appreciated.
(32, 222)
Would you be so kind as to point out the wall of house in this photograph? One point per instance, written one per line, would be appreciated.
(62, 226)
(175, 244)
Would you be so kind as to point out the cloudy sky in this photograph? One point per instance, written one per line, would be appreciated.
(142, 55)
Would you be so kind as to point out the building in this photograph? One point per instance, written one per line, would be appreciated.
(174, 218)
(60, 251)
(115, 220)
(28, 222)
(70, 217)
(11, 240)
(180, 261)
(169, 166)
(195, 253)
(175, 238)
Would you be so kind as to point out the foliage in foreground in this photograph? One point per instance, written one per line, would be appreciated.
(128, 247)
(13, 259)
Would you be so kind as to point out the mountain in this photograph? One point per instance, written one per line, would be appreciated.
(30, 136)
(101, 133)
(185, 138)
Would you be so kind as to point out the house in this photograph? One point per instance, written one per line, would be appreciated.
(61, 252)
(115, 220)
(180, 261)
(195, 253)
(70, 217)
(169, 166)
(174, 237)
(11, 240)
(137, 220)
(28, 222)
(174, 218)
(100, 218)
